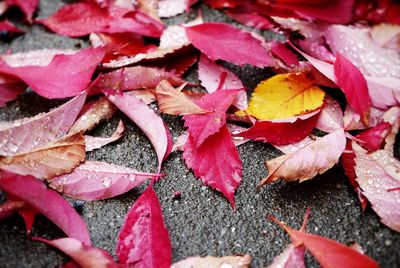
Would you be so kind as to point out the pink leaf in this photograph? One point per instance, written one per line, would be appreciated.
(47, 202)
(372, 139)
(352, 120)
(202, 126)
(314, 158)
(6, 26)
(331, 116)
(10, 207)
(26, 6)
(84, 255)
(10, 88)
(216, 162)
(354, 86)
(70, 74)
(147, 120)
(214, 262)
(40, 57)
(250, 19)
(221, 41)
(170, 8)
(291, 257)
(93, 143)
(23, 135)
(282, 132)
(376, 174)
(99, 180)
(144, 240)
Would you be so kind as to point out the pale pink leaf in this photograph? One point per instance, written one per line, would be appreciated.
(23, 135)
(99, 180)
(220, 41)
(84, 255)
(92, 114)
(214, 262)
(216, 162)
(331, 116)
(144, 240)
(70, 74)
(201, 126)
(291, 257)
(93, 143)
(147, 120)
(377, 173)
(40, 57)
(352, 120)
(47, 202)
(53, 159)
(386, 36)
(309, 161)
(170, 8)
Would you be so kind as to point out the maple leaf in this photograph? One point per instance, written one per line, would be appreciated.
(175, 102)
(225, 171)
(284, 96)
(83, 255)
(310, 160)
(99, 180)
(143, 239)
(329, 253)
(24, 135)
(220, 41)
(70, 74)
(53, 159)
(47, 202)
(147, 120)
(202, 126)
(216, 262)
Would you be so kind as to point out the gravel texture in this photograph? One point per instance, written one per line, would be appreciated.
(201, 222)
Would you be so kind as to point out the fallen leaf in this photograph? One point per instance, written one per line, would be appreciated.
(70, 74)
(9, 207)
(47, 202)
(8, 27)
(92, 114)
(93, 143)
(377, 173)
(372, 139)
(10, 88)
(41, 57)
(214, 262)
(331, 116)
(386, 35)
(175, 102)
(220, 41)
(282, 132)
(291, 257)
(55, 158)
(304, 164)
(285, 96)
(99, 180)
(143, 240)
(171, 8)
(329, 253)
(24, 135)
(202, 126)
(249, 18)
(147, 120)
(84, 255)
(354, 86)
(216, 162)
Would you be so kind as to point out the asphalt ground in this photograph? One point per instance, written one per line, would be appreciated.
(201, 222)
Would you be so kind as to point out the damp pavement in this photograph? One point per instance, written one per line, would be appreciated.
(201, 222)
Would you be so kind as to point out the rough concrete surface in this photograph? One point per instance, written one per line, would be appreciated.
(201, 222)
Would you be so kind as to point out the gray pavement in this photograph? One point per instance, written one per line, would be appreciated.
(201, 222)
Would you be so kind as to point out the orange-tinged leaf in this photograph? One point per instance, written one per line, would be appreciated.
(55, 158)
(175, 102)
(285, 95)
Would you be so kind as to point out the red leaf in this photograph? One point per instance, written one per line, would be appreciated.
(147, 120)
(373, 138)
(9, 207)
(201, 126)
(84, 255)
(70, 74)
(47, 202)
(6, 26)
(144, 240)
(99, 180)
(282, 132)
(24, 135)
(220, 41)
(10, 88)
(249, 18)
(329, 253)
(354, 86)
(216, 162)
(26, 6)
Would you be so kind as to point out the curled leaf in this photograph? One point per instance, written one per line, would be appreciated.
(331, 116)
(291, 257)
(93, 143)
(99, 180)
(53, 159)
(214, 262)
(144, 239)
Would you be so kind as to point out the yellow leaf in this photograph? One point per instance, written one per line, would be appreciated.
(284, 96)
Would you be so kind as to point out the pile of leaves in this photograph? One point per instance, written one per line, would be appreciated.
(334, 97)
